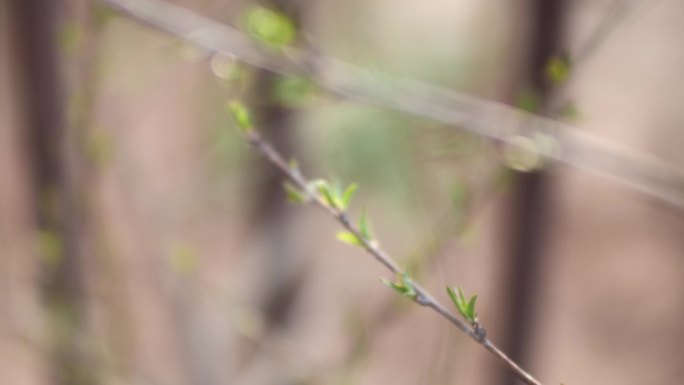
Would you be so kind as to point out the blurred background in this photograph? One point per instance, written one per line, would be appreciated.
(143, 242)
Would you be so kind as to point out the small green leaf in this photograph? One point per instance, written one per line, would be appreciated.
(271, 27)
(349, 238)
(348, 194)
(324, 189)
(336, 192)
(240, 114)
(364, 227)
(404, 286)
(452, 294)
(294, 194)
(461, 297)
(470, 309)
(408, 285)
(465, 307)
(558, 69)
(400, 289)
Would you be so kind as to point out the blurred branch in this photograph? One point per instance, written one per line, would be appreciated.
(421, 296)
(619, 11)
(485, 118)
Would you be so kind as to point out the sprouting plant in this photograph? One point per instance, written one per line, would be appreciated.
(333, 193)
(334, 199)
(403, 285)
(465, 306)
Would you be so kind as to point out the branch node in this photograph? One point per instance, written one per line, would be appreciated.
(344, 219)
(480, 332)
(422, 300)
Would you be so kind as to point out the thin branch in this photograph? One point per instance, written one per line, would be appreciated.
(572, 146)
(422, 297)
(618, 13)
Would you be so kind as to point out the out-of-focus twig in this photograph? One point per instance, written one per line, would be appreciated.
(617, 14)
(485, 118)
(619, 11)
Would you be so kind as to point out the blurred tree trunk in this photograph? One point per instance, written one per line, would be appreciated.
(56, 213)
(279, 269)
(530, 202)
(280, 280)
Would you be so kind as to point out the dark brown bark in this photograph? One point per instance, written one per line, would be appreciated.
(275, 121)
(529, 216)
(38, 82)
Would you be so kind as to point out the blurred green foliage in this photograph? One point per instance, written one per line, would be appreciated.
(271, 27)
(241, 115)
(372, 147)
(558, 69)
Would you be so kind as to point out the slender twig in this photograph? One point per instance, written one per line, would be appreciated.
(616, 15)
(574, 147)
(422, 297)
(619, 12)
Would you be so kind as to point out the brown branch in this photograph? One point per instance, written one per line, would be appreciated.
(422, 297)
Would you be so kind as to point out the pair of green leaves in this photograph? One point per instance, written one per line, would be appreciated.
(403, 285)
(333, 194)
(558, 69)
(465, 306)
(364, 229)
